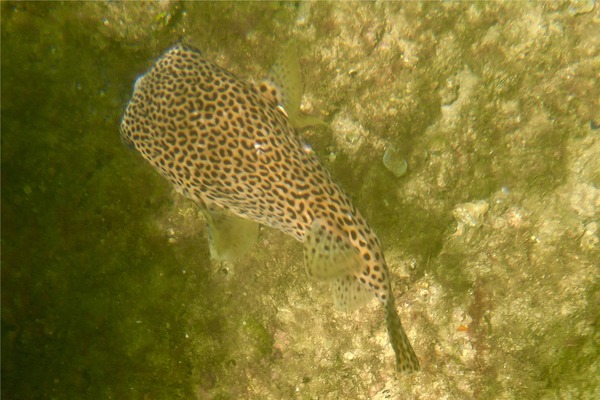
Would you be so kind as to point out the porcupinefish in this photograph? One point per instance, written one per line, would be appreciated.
(232, 145)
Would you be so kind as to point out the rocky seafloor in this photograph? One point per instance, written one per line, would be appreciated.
(492, 233)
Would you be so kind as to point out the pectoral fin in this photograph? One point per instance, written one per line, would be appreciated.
(229, 236)
(283, 87)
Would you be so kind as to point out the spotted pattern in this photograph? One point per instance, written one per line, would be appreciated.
(225, 143)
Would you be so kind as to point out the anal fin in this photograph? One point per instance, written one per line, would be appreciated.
(349, 294)
(329, 255)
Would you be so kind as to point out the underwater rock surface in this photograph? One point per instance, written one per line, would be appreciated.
(492, 239)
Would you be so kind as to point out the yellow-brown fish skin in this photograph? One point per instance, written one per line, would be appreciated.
(226, 144)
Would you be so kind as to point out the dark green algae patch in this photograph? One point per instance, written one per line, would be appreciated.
(101, 300)
(95, 303)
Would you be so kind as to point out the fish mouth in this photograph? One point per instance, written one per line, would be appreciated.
(124, 134)
(127, 143)
(137, 82)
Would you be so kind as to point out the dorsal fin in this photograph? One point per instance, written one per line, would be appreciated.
(328, 254)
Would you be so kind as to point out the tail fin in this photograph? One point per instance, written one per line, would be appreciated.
(406, 359)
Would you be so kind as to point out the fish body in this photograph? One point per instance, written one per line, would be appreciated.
(230, 145)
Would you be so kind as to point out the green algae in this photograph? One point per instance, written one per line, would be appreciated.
(99, 300)
(260, 337)
(89, 285)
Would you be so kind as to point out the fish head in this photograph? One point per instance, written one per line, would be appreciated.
(135, 108)
(157, 96)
